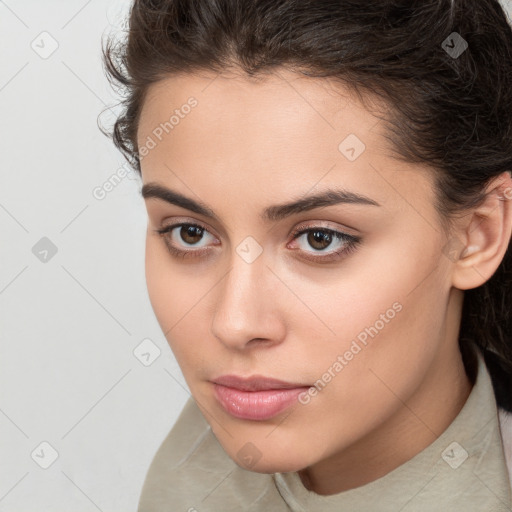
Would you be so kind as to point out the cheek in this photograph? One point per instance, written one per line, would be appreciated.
(158, 279)
(378, 290)
(178, 298)
(383, 297)
(166, 283)
(388, 316)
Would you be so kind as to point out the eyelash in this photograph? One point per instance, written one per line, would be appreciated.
(350, 242)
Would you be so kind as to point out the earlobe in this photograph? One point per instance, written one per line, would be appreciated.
(487, 235)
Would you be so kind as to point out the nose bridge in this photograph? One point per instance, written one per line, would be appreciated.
(243, 307)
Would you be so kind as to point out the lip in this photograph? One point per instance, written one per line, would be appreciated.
(255, 383)
(255, 398)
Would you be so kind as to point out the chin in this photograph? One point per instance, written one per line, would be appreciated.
(278, 463)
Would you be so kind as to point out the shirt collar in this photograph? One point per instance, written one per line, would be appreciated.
(463, 469)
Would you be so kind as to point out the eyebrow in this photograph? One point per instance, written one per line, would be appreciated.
(328, 197)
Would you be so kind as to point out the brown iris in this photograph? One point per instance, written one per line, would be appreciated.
(319, 239)
(191, 234)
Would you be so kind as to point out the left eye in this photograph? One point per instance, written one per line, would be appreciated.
(321, 238)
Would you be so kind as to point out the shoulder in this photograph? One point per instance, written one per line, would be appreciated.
(505, 421)
(191, 470)
(189, 431)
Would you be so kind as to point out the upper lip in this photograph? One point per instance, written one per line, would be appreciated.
(255, 383)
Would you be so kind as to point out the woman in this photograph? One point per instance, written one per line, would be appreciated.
(329, 219)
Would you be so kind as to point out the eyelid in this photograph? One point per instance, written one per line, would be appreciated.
(324, 224)
(176, 221)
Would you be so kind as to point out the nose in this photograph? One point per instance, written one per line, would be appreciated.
(246, 309)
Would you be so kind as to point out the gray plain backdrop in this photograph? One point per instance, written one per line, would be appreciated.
(88, 385)
(83, 405)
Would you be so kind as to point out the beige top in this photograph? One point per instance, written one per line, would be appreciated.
(464, 469)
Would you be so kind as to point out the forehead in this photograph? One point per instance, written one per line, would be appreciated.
(281, 106)
(283, 131)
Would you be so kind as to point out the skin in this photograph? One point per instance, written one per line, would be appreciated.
(251, 144)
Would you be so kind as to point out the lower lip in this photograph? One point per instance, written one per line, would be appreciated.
(256, 405)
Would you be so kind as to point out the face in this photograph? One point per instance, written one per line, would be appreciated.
(347, 298)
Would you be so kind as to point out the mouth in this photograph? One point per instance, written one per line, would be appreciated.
(255, 398)
(255, 383)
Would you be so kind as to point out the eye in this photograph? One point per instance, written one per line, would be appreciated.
(321, 238)
(177, 236)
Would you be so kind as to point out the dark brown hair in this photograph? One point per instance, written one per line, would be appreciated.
(450, 106)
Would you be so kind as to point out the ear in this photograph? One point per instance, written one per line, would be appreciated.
(486, 233)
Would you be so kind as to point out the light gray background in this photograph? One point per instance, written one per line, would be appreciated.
(70, 323)
(69, 326)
